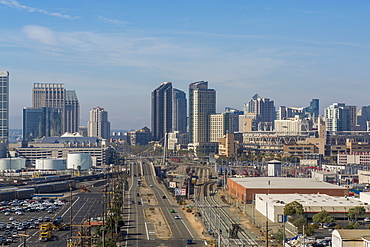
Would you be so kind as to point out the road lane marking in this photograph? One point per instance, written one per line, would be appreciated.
(146, 229)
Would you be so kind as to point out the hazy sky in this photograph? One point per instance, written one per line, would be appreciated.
(114, 53)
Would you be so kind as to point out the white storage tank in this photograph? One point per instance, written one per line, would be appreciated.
(12, 163)
(50, 164)
(79, 159)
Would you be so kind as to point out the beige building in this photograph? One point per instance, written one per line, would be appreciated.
(219, 126)
(350, 238)
(202, 103)
(227, 145)
(353, 147)
(291, 126)
(247, 122)
(298, 149)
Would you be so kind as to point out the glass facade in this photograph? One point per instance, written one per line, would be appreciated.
(4, 105)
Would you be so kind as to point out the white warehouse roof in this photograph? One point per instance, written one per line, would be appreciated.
(283, 183)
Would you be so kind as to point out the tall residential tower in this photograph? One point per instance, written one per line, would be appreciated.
(337, 117)
(202, 103)
(98, 126)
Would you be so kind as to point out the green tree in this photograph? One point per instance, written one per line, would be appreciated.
(353, 225)
(293, 208)
(322, 217)
(279, 236)
(300, 222)
(108, 243)
(310, 230)
(354, 213)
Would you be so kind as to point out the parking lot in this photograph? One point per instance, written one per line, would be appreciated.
(19, 218)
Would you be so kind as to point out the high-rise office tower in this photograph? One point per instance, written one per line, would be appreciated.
(161, 117)
(235, 113)
(98, 126)
(337, 117)
(72, 112)
(54, 95)
(179, 111)
(4, 107)
(352, 109)
(48, 95)
(202, 103)
(41, 122)
(264, 110)
(363, 116)
(313, 109)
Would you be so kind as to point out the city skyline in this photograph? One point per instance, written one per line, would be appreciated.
(114, 54)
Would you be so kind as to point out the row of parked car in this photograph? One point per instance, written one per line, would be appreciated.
(28, 205)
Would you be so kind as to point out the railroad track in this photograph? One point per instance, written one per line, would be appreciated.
(225, 220)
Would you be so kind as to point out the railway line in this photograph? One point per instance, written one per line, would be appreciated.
(221, 223)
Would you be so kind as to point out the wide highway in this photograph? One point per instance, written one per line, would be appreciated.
(141, 231)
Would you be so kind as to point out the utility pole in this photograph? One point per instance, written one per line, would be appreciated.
(70, 210)
(267, 226)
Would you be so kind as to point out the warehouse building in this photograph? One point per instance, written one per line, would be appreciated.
(246, 188)
(272, 206)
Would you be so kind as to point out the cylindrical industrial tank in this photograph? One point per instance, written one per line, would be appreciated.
(79, 159)
(50, 164)
(12, 163)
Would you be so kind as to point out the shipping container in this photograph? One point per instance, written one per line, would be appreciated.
(25, 193)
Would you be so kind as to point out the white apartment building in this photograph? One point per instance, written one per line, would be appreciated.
(98, 126)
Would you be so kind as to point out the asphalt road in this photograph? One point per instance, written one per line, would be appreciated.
(140, 231)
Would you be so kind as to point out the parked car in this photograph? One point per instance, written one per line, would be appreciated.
(330, 225)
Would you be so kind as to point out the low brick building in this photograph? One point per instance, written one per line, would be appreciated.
(246, 188)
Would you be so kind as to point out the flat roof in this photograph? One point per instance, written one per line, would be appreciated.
(352, 234)
(311, 200)
(283, 183)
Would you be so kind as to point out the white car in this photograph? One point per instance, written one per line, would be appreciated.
(367, 219)
(177, 217)
(19, 212)
(11, 218)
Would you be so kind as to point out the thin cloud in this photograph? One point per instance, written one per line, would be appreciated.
(43, 35)
(112, 21)
(17, 5)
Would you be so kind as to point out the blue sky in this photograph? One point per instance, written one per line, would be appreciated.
(114, 53)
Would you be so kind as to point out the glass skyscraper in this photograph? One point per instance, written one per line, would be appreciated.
(161, 118)
(4, 106)
(41, 122)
